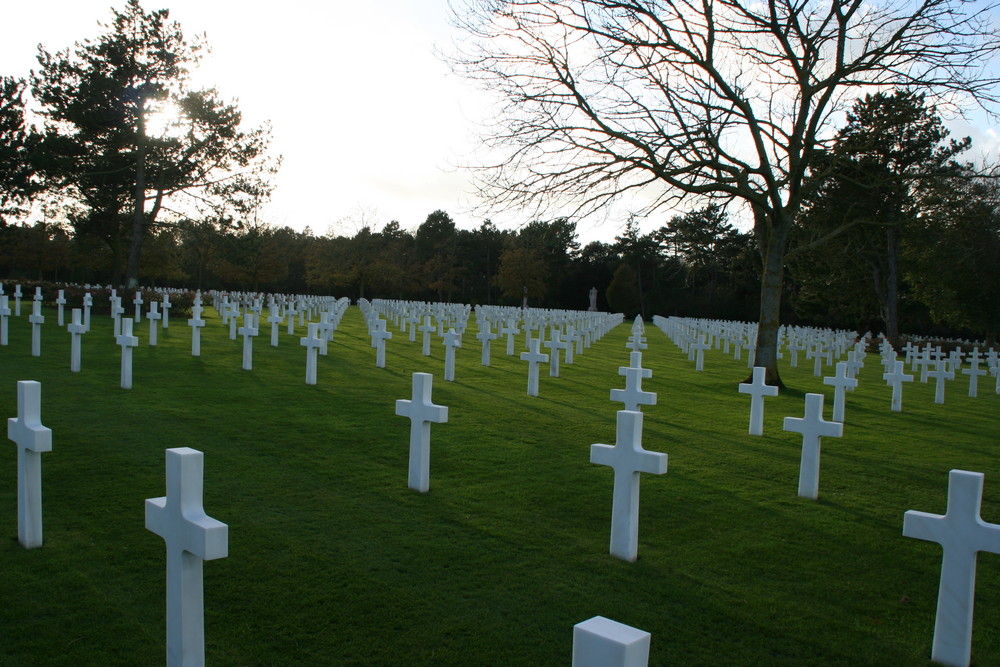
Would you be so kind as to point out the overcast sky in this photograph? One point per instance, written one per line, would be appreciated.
(370, 122)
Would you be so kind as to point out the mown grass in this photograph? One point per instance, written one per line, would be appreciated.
(333, 560)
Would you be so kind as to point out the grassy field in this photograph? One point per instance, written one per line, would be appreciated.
(333, 560)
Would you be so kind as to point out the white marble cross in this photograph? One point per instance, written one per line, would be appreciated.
(840, 382)
(628, 459)
(554, 344)
(534, 357)
(757, 389)
(974, 371)
(127, 342)
(196, 323)
(632, 395)
(274, 319)
(509, 329)
(452, 340)
(812, 427)
(17, 300)
(116, 314)
(154, 316)
(165, 310)
(88, 302)
(425, 329)
(32, 439)
(379, 336)
(191, 537)
(895, 379)
(962, 533)
(574, 343)
(601, 642)
(4, 314)
(76, 330)
(248, 331)
(138, 307)
(312, 342)
(291, 313)
(422, 412)
(486, 335)
(699, 347)
(60, 304)
(37, 320)
(940, 374)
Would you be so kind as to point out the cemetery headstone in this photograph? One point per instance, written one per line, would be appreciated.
(248, 331)
(4, 314)
(60, 304)
(191, 537)
(633, 395)
(757, 389)
(154, 318)
(127, 341)
(895, 379)
(37, 320)
(940, 374)
(601, 642)
(452, 340)
(196, 323)
(533, 357)
(312, 342)
(962, 533)
(628, 458)
(32, 439)
(812, 427)
(840, 382)
(76, 330)
(421, 412)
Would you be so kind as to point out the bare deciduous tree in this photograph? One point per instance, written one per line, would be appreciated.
(725, 100)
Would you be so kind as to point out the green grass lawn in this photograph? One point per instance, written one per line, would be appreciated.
(333, 560)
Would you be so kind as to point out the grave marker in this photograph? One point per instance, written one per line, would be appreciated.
(940, 374)
(757, 389)
(127, 342)
(76, 330)
(533, 357)
(812, 427)
(601, 642)
(632, 395)
(628, 459)
(154, 317)
(60, 303)
(191, 537)
(421, 412)
(37, 320)
(4, 314)
(840, 382)
(32, 439)
(962, 533)
(248, 331)
(312, 342)
(196, 323)
(452, 340)
(895, 379)
(380, 335)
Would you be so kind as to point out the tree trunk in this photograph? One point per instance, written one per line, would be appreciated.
(772, 278)
(892, 286)
(139, 200)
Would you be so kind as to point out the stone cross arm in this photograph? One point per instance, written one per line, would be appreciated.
(179, 517)
(27, 430)
(420, 408)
